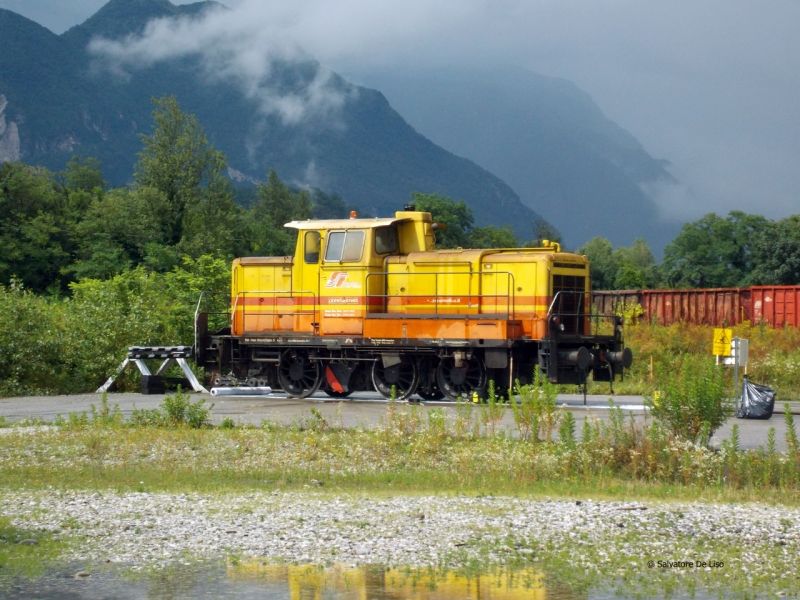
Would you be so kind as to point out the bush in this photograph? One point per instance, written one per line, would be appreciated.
(175, 411)
(694, 400)
(72, 345)
(33, 342)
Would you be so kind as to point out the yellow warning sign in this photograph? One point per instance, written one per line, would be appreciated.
(722, 341)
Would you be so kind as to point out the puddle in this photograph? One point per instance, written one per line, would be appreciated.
(268, 581)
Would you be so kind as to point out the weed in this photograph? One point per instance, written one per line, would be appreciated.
(492, 411)
(227, 423)
(566, 431)
(695, 399)
(106, 416)
(792, 444)
(536, 416)
(198, 416)
(175, 408)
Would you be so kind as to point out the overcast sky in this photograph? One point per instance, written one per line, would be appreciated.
(713, 86)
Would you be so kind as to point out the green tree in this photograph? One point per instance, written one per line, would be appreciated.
(636, 267)
(776, 254)
(82, 174)
(178, 161)
(603, 264)
(455, 215)
(121, 230)
(493, 237)
(543, 230)
(460, 222)
(34, 228)
(275, 206)
(713, 251)
(621, 268)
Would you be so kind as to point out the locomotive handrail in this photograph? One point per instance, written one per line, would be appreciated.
(199, 309)
(510, 295)
(289, 294)
(556, 309)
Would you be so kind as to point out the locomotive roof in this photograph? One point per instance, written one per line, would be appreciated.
(344, 223)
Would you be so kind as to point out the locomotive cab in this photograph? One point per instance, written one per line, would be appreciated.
(371, 301)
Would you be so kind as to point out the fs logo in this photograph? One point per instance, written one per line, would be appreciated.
(338, 279)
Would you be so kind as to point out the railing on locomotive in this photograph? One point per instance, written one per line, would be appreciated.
(510, 296)
(205, 302)
(285, 310)
(581, 320)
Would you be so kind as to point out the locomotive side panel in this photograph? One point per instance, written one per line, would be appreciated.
(261, 295)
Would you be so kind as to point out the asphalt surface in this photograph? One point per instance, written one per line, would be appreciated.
(361, 409)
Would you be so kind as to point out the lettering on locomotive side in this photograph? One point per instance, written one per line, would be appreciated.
(339, 313)
(343, 300)
(338, 279)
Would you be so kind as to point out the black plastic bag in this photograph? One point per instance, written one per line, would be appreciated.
(758, 401)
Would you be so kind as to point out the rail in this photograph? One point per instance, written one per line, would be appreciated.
(571, 312)
(274, 308)
(445, 298)
(202, 313)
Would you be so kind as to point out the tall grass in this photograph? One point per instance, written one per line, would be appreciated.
(411, 449)
(774, 355)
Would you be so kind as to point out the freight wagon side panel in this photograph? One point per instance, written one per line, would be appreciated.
(775, 305)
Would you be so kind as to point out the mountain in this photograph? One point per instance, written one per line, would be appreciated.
(60, 104)
(546, 138)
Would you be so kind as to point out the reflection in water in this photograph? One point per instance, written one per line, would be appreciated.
(368, 582)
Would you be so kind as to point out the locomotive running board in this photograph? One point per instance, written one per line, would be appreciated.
(169, 354)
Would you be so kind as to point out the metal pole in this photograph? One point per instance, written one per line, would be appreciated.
(736, 371)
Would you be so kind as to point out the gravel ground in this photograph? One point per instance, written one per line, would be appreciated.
(152, 530)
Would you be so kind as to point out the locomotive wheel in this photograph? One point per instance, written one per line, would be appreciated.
(459, 382)
(404, 377)
(299, 377)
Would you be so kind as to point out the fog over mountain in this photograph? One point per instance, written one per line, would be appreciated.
(547, 139)
(711, 86)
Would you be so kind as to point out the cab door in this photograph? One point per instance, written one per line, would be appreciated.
(342, 282)
(305, 290)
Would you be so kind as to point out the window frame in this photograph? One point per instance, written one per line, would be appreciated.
(346, 232)
(396, 239)
(305, 247)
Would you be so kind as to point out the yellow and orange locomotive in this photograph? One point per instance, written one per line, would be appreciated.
(371, 301)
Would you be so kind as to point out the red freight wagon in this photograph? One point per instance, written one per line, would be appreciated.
(716, 306)
(610, 302)
(776, 305)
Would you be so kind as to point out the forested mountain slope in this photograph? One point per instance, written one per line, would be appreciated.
(62, 103)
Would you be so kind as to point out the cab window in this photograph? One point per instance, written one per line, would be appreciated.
(311, 247)
(385, 240)
(345, 246)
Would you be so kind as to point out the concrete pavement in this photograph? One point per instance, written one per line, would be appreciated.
(361, 409)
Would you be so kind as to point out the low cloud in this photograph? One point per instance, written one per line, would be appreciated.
(710, 86)
(235, 49)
